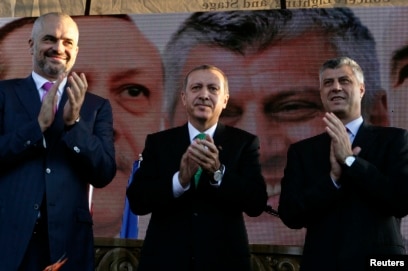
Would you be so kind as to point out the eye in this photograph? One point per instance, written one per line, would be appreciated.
(399, 64)
(345, 81)
(134, 98)
(134, 90)
(295, 108)
(327, 83)
(69, 43)
(231, 114)
(195, 88)
(213, 89)
(402, 75)
(48, 38)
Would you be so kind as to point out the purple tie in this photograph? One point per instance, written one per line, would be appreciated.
(46, 87)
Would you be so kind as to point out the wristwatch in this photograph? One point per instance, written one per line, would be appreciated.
(349, 160)
(219, 173)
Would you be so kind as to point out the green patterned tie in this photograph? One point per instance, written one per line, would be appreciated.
(199, 170)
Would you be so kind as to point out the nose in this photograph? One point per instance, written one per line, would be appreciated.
(203, 94)
(273, 139)
(59, 46)
(336, 85)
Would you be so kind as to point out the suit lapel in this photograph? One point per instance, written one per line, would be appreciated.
(27, 93)
(364, 138)
(219, 140)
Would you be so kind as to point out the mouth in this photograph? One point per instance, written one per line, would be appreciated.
(202, 105)
(56, 58)
(337, 98)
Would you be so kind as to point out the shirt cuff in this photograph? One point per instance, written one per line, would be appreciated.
(178, 190)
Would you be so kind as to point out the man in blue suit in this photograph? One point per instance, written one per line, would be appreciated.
(54, 143)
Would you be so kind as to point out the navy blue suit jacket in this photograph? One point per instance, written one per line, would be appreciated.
(61, 172)
(361, 219)
(204, 228)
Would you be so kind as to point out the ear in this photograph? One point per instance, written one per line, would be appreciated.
(183, 98)
(378, 112)
(226, 98)
(31, 45)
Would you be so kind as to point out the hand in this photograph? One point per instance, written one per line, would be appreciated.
(205, 154)
(187, 169)
(201, 153)
(340, 141)
(76, 95)
(49, 104)
(335, 171)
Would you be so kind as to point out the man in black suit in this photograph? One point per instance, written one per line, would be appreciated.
(348, 186)
(199, 226)
(54, 143)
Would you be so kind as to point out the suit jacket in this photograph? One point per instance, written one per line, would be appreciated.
(361, 219)
(204, 228)
(73, 158)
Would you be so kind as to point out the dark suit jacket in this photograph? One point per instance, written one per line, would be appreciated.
(62, 172)
(204, 228)
(362, 218)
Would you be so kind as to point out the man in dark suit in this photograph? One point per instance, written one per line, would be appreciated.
(199, 226)
(348, 186)
(54, 143)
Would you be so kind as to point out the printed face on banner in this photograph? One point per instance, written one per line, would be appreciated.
(396, 63)
(123, 66)
(273, 94)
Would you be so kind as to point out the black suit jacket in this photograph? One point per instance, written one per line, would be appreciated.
(62, 172)
(204, 228)
(362, 218)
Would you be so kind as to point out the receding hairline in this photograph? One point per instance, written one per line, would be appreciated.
(39, 22)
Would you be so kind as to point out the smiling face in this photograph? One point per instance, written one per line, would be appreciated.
(341, 93)
(204, 97)
(54, 46)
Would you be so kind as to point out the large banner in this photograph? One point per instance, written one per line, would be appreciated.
(271, 57)
(22, 8)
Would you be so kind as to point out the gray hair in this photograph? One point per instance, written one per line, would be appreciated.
(245, 32)
(338, 62)
(207, 67)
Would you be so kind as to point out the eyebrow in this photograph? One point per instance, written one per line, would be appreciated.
(48, 36)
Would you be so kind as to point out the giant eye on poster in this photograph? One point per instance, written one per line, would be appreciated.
(137, 60)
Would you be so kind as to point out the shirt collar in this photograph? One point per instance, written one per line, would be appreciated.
(193, 132)
(354, 125)
(39, 82)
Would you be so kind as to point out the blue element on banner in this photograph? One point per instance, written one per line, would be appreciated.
(129, 227)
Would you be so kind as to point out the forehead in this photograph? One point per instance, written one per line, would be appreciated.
(343, 71)
(207, 76)
(59, 27)
(109, 42)
(272, 64)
